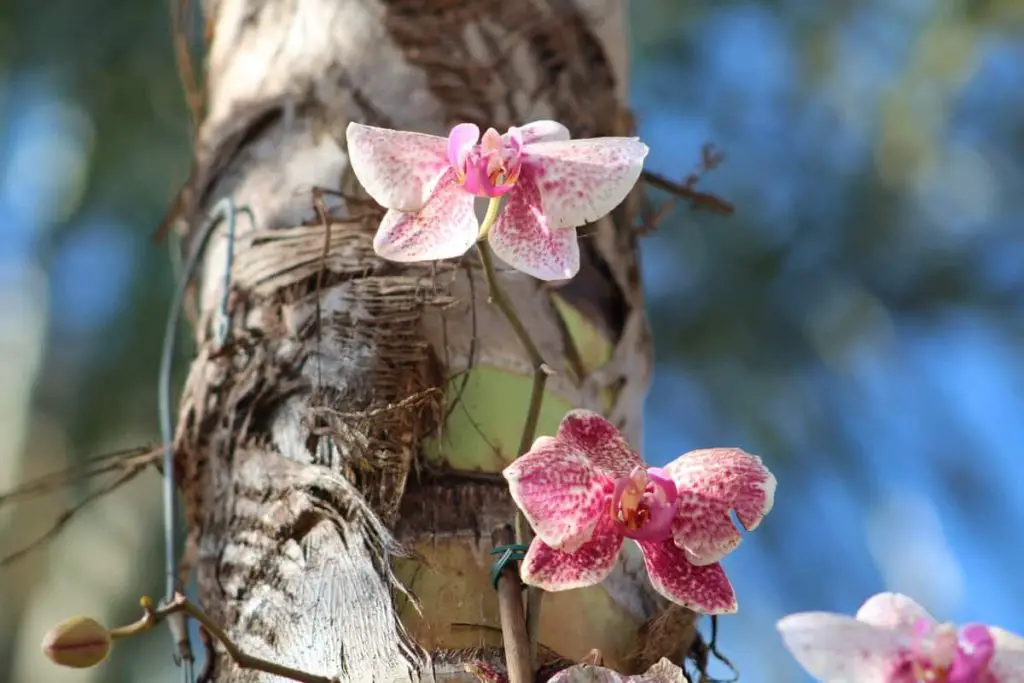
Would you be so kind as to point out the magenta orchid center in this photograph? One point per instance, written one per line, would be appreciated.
(643, 504)
(941, 655)
(489, 168)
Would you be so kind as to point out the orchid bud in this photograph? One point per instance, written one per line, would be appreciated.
(78, 642)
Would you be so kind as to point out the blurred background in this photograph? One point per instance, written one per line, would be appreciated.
(858, 321)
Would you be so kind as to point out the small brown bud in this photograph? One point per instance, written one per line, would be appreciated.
(78, 642)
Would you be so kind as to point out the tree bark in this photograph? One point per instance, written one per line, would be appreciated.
(340, 458)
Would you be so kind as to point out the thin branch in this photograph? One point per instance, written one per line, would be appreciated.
(128, 459)
(701, 653)
(713, 648)
(179, 604)
(709, 160)
(68, 515)
(180, 17)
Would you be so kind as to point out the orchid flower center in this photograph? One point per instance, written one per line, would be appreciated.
(644, 504)
(941, 655)
(489, 168)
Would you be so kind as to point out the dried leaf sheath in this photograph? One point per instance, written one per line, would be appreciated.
(311, 436)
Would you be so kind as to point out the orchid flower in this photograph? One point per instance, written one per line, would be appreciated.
(895, 640)
(551, 186)
(585, 490)
(663, 671)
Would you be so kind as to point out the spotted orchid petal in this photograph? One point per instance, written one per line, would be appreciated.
(895, 611)
(556, 570)
(582, 180)
(521, 237)
(840, 649)
(586, 673)
(445, 227)
(398, 169)
(663, 671)
(560, 492)
(607, 449)
(704, 589)
(711, 482)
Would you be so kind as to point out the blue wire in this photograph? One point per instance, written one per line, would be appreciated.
(222, 210)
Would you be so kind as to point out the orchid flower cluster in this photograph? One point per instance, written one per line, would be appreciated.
(584, 490)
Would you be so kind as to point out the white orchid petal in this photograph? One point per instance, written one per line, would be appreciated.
(445, 227)
(522, 239)
(836, 648)
(582, 180)
(399, 169)
(543, 131)
(1008, 663)
(894, 611)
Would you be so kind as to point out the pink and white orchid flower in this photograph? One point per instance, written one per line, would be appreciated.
(585, 490)
(895, 640)
(551, 186)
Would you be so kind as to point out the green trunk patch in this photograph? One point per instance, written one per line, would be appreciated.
(487, 406)
(486, 419)
(594, 350)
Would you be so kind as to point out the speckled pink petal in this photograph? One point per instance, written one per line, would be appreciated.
(543, 131)
(703, 589)
(711, 482)
(560, 492)
(835, 647)
(582, 180)
(601, 441)
(486, 672)
(585, 673)
(1008, 664)
(555, 570)
(398, 169)
(444, 228)
(521, 238)
(663, 671)
(894, 611)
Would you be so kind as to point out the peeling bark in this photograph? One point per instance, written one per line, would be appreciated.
(313, 507)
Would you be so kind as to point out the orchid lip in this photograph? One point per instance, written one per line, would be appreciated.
(952, 657)
(975, 650)
(643, 505)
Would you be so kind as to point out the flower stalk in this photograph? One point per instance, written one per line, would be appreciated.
(179, 604)
(523, 532)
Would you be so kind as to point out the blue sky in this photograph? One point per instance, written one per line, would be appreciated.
(923, 404)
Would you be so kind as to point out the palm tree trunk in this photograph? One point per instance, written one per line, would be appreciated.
(361, 407)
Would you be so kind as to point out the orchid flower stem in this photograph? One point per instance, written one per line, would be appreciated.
(179, 604)
(541, 371)
(492, 215)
